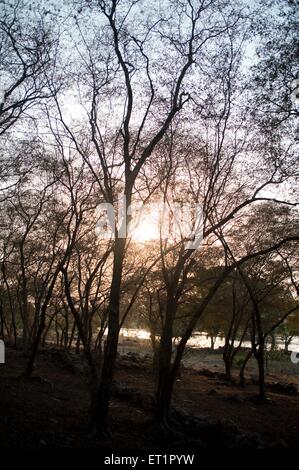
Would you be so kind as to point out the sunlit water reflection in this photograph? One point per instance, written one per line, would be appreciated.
(200, 339)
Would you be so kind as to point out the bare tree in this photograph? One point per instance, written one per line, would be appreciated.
(27, 54)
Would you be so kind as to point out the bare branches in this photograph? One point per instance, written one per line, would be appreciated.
(26, 56)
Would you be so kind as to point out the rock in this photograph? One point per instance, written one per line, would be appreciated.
(53, 421)
(285, 388)
(279, 387)
(216, 434)
(180, 413)
(235, 399)
(280, 444)
(133, 360)
(123, 391)
(41, 380)
(147, 402)
(69, 360)
(248, 441)
(134, 357)
(206, 373)
(220, 376)
(131, 394)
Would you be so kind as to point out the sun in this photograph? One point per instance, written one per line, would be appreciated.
(146, 230)
(145, 226)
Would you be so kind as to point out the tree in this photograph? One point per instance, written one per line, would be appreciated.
(130, 53)
(27, 56)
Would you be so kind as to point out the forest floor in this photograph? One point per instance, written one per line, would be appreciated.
(51, 410)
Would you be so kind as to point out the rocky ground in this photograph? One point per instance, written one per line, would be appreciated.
(51, 409)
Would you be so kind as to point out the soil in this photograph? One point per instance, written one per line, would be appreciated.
(51, 410)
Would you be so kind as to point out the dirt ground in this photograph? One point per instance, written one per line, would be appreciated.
(53, 412)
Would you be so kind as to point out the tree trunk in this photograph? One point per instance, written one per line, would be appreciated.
(41, 326)
(228, 367)
(163, 400)
(24, 299)
(47, 329)
(98, 422)
(11, 306)
(2, 322)
(287, 343)
(243, 367)
(273, 342)
(164, 387)
(261, 368)
(70, 343)
(155, 350)
(78, 342)
(34, 347)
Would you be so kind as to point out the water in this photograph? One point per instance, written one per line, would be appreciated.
(200, 339)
